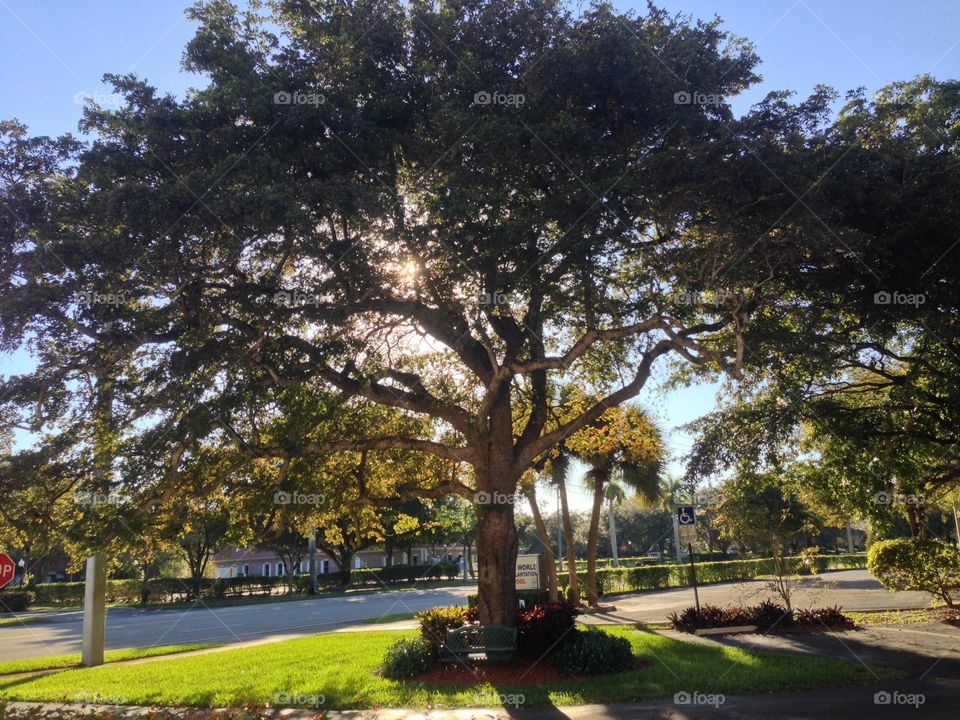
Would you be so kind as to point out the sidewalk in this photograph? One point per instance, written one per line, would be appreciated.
(939, 703)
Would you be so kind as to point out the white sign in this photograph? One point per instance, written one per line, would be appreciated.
(688, 534)
(528, 572)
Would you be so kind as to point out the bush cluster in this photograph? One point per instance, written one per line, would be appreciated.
(406, 658)
(16, 600)
(767, 616)
(435, 622)
(545, 628)
(593, 652)
(916, 564)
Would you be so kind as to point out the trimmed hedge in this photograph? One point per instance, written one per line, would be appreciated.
(656, 577)
(16, 601)
(171, 590)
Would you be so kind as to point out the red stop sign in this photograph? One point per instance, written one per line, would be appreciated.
(7, 569)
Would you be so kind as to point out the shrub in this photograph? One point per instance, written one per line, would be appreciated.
(815, 618)
(810, 560)
(435, 622)
(544, 628)
(406, 658)
(916, 564)
(16, 600)
(768, 616)
(593, 652)
(710, 616)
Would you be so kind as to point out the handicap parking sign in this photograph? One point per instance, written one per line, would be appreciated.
(686, 515)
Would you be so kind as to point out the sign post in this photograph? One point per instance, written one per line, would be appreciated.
(94, 611)
(529, 572)
(687, 521)
(7, 569)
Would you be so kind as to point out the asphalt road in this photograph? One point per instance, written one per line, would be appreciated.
(128, 627)
(61, 632)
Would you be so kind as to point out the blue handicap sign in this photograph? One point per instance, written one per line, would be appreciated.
(686, 515)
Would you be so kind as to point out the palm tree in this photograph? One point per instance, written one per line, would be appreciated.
(625, 447)
(559, 467)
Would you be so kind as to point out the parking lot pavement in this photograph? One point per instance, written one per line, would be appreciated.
(850, 589)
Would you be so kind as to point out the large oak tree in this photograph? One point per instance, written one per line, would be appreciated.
(443, 208)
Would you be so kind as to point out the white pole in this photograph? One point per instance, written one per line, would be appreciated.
(613, 534)
(94, 611)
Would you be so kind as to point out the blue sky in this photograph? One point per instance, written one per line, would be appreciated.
(53, 50)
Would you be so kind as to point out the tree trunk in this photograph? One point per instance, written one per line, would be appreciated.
(573, 588)
(497, 558)
(548, 556)
(346, 566)
(593, 539)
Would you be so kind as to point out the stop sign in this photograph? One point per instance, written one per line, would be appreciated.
(7, 569)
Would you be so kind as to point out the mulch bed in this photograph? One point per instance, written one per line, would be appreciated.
(517, 672)
(948, 615)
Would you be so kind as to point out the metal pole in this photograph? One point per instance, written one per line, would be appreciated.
(613, 535)
(676, 537)
(693, 576)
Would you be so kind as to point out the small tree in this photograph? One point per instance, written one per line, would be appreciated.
(916, 564)
(759, 511)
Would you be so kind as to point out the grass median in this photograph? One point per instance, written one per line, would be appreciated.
(338, 671)
(56, 662)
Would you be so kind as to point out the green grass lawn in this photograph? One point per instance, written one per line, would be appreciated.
(389, 618)
(21, 620)
(339, 668)
(903, 617)
(8, 667)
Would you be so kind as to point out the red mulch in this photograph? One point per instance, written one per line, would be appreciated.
(517, 672)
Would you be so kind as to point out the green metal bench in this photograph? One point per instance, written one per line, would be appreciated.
(495, 642)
